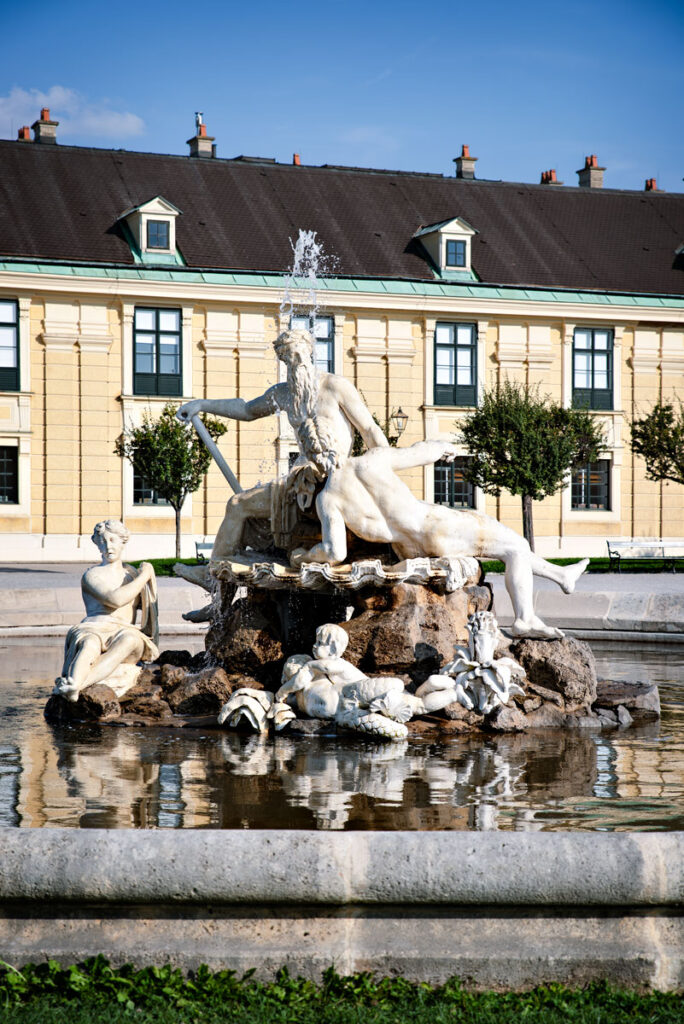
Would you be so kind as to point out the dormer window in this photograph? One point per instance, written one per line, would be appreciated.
(150, 230)
(448, 245)
(455, 253)
(158, 234)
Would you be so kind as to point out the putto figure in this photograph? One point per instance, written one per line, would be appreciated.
(106, 645)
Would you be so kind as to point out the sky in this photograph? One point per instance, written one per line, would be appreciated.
(371, 83)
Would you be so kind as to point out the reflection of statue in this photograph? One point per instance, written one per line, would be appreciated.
(366, 496)
(323, 409)
(106, 645)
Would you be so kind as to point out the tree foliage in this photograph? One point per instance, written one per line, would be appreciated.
(170, 456)
(659, 439)
(527, 444)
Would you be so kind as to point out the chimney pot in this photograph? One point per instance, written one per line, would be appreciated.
(650, 185)
(45, 114)
(24, 134)
(296, 160)
(465, 163)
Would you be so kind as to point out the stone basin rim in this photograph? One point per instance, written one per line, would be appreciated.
(320, 868)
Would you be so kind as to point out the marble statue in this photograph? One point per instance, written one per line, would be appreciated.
(327, 686)
(364, 494)
(323, 410)
(107, 644)
(475, 678)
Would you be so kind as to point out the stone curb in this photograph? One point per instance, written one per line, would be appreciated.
(382, 868)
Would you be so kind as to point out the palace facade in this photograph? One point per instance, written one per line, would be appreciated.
(128, 280)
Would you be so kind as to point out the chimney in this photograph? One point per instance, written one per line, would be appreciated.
(201, 143)
(45, 130)
(650, 185)
(24, 134)
(465, 163)
(295, 160)
(549, 178)
(591, 175)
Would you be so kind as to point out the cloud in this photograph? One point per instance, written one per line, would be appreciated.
(77, 115)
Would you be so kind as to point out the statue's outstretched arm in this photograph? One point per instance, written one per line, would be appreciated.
(422, 453)
(235, 408)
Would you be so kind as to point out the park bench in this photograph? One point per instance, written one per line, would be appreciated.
(642, 547)
(203, 550)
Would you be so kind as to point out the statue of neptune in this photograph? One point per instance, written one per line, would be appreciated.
(364, 494)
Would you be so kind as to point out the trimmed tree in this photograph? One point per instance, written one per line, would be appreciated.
(170, 456)
(659, 439)
(527, 444)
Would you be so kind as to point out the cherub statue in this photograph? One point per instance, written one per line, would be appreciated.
(107, 644)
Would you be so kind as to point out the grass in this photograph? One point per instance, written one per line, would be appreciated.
(95, 993)
(164, 566)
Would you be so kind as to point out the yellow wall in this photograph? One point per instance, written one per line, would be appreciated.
(77, 405)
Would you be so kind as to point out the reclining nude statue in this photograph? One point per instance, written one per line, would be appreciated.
(363, 494)
(106, 645)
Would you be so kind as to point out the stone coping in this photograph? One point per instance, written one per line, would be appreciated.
(262, 867)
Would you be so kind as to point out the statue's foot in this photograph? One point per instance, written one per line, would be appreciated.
(298, 556)
(535, 629)
(198, 574)
(67, 688)
(572, 574)
(199, 614)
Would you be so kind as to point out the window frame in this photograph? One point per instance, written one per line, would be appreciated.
(600, 399)
(166, 385)
(149, 222)
(604, 467)
(456, 395)
(329, 341)
(10, 376)
(460, 248)
(449, 468)
(13, 499)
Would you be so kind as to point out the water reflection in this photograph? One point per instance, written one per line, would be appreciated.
(124, 778)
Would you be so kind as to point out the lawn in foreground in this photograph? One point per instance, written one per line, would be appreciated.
(94, 993)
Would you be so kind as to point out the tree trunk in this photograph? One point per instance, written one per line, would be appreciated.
(178, 531)
(528, 528)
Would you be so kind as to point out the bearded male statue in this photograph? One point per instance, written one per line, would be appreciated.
(323, 410)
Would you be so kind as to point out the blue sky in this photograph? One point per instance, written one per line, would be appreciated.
(529, 86)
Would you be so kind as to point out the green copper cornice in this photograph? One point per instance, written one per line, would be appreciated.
(436, 289)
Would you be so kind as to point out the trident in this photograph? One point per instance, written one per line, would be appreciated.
(208, 441)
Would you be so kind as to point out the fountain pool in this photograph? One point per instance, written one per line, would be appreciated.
(109, 777)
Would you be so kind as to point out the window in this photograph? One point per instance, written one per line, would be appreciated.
(455, 364)
(591, 487)
(592, 368)
(9, 345)
(323, 330)
(157, 234)
(145, 493)
(9, 475)
(451, 487)
(157, 352)
(455, 253)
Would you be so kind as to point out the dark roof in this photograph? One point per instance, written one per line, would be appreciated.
(62, 203)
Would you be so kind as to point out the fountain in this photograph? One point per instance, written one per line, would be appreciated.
(340, 545)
